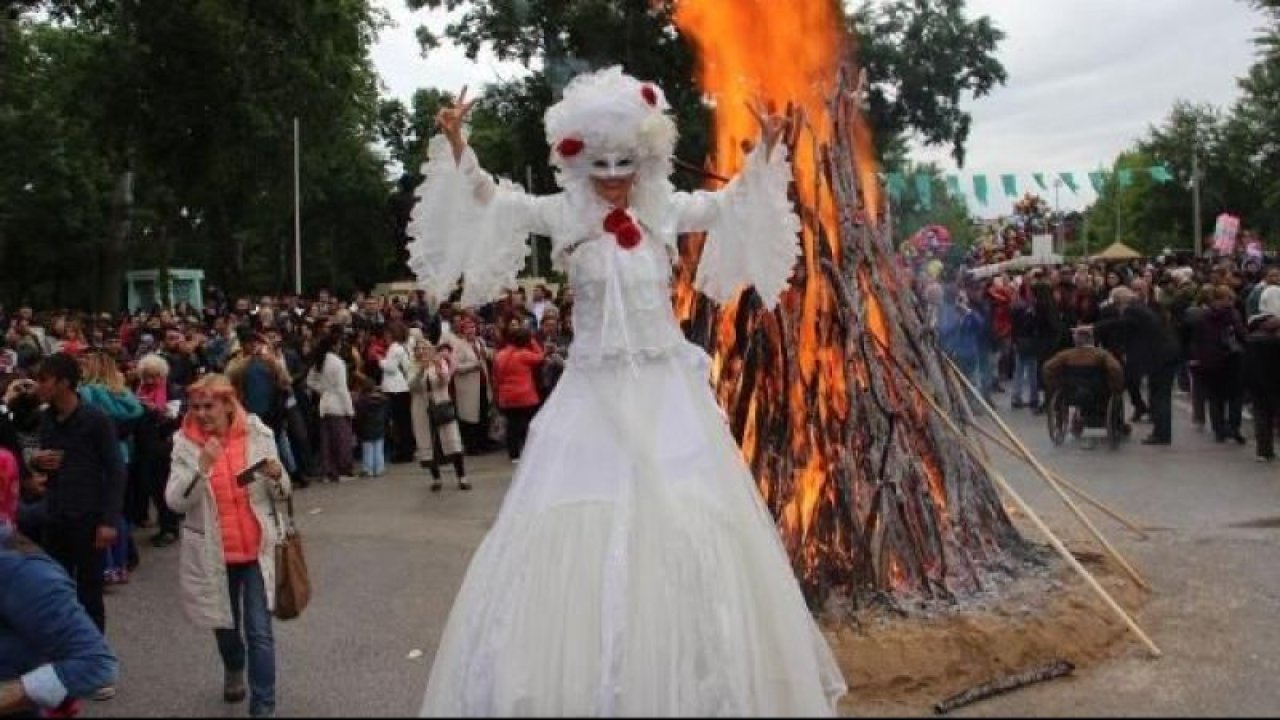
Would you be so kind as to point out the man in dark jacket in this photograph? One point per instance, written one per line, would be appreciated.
(1150, 351)
(80, 454)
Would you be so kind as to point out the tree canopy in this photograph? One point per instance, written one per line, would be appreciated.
(150, 133)
(1237, 148)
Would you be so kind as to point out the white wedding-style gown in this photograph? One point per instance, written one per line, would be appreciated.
(633, 568)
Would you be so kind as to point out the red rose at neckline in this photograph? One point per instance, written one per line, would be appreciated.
(616, 219)
(628, 236)
(623, 228)
(650, 95)
(569, 147)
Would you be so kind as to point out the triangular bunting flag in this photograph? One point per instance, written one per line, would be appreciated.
(1125, 177)
(1039, 177)
(1010, 183)
(1069, 179)
(980, 188)
(953, 186)
(1098, 180)
(1160, 173)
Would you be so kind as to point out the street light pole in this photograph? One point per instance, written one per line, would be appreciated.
(297, 214)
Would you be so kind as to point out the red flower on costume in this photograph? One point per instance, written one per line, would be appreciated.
(619, 222)
(569, 147)
(650, 95)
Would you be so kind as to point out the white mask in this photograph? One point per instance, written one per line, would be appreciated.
(612, 165)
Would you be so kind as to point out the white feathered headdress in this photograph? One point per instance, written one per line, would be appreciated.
(609, 112)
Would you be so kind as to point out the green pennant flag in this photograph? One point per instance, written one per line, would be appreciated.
(980, 188)
(1010, 183)
(924, 191)
(1069, 179)
(953, 186)
(1098, 180)
(1160, 173)
(1125, 177)
(1040, 180)
(895, 184)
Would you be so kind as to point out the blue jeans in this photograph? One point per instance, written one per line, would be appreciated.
(246, 586)
(117, 555)
(1026, 373)
(373, 456)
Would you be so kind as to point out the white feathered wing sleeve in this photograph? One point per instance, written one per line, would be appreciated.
(465, 224)
(752, 230)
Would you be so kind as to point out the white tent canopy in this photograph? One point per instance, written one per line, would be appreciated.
(1022, 262)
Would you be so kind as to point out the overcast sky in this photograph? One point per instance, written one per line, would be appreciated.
(1086, 78)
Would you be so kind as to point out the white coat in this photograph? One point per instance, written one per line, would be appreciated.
(430, 385)
(331, 383)
(470, 377)
(202, 574)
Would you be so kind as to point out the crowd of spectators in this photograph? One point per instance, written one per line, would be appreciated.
(347, 386)
(1209, 328)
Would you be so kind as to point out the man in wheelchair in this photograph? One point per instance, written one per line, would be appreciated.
(1088, 378)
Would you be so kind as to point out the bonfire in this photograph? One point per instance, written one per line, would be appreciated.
(874, 498)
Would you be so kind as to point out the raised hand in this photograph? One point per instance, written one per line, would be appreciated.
(450, 121)
(209, 454)
(773, 127)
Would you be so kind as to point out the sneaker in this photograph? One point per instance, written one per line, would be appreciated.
(104, 693)
(233, 690)
(1264, 458)
(464, 485)
(1017, 404)
(436, 485)
(164, 538)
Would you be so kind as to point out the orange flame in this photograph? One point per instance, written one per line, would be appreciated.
(794, 405)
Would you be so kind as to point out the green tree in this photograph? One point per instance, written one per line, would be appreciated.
(179, 118)
(923, 59)
(564, 37)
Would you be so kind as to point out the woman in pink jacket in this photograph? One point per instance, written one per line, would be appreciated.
(514, 371)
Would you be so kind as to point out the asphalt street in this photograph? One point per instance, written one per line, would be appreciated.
(387, 557)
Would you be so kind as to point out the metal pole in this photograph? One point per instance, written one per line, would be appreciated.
(1057, 210)
(1196, 233)
(297, 214)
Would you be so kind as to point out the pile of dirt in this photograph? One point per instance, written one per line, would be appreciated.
(898, 665)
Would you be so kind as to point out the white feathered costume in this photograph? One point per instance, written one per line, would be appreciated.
(633, 568)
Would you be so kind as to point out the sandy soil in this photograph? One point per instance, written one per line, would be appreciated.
(899, 665)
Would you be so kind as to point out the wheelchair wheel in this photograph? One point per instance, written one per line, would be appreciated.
(1115, 420)
(1057, 413)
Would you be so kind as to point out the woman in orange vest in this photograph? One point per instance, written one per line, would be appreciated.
(224, 476)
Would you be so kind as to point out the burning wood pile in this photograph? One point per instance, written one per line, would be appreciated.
(873, 497)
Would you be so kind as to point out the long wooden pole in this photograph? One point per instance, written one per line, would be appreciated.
(1075, 490)
(971, 447)
(1031, 514)
(1048, 478)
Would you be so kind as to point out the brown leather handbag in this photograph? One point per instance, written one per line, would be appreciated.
(293, 582)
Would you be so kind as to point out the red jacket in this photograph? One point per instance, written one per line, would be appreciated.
(1001, 311)
(513, 376)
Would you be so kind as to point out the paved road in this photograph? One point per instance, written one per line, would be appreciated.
(387, 557)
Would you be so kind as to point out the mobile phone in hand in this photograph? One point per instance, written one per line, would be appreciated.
(246, 476)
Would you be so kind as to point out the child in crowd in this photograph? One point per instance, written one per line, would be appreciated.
(371, 427)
